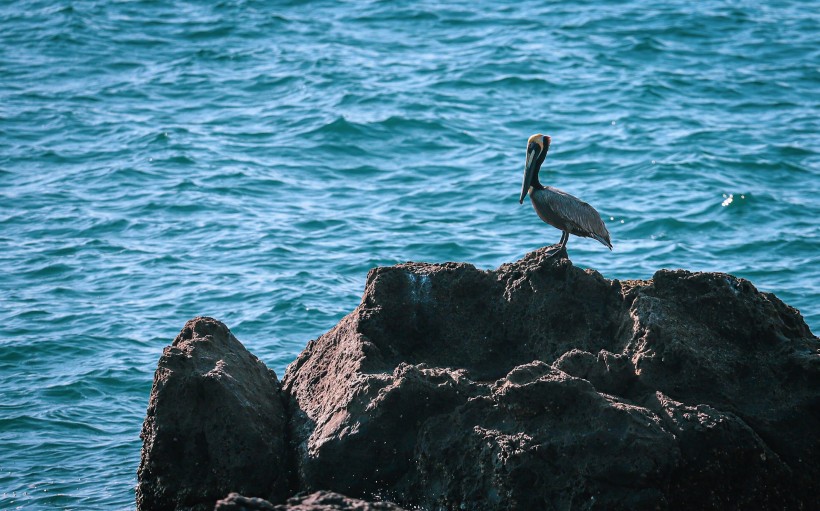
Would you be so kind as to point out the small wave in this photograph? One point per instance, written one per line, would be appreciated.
(186, 185)
(265, 83)
(396, 14)
(338, 126)
(407, 124)
(50, 270)
(198, 34)
(179, 159)
(647, 45)
(789, 150)
(142, 41)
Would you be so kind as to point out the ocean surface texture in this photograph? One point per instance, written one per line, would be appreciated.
(252, 161)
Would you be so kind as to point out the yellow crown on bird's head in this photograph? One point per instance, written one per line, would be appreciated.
(542, 140)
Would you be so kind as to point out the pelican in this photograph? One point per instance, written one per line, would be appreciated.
(561, 210)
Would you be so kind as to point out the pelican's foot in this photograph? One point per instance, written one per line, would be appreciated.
(558, 250)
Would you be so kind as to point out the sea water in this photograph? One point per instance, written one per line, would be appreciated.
(252, 160)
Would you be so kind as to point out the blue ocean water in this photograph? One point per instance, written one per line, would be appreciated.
(252, 160)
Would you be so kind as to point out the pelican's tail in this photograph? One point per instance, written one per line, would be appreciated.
(603, 240)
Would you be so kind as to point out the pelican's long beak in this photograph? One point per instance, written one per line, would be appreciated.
(529, 169)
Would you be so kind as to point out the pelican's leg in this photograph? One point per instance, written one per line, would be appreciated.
(563, 247)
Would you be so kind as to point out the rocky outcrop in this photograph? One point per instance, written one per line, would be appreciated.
(544, 386)
(535, 386)
(215, 424)
(318, 501)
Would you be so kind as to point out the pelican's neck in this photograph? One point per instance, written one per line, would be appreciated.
(535, 184)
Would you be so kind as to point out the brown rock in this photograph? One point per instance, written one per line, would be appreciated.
(215, 424)
(237, 502)
(543, 386)
(544, 440)
(318, 501)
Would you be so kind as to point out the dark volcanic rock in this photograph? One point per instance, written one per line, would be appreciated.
(318, 501)
(215, 424)
(237, 502)
(544, 386)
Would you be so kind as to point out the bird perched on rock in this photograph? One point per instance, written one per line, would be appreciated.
(558, 208)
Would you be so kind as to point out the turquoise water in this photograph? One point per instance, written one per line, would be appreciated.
(252, 160)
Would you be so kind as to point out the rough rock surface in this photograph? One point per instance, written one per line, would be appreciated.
(318, 501)
(215, 424)
(543, 386)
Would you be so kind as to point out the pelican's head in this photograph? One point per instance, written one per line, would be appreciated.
(537, 147)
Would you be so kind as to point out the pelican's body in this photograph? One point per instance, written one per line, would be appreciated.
(561, 210)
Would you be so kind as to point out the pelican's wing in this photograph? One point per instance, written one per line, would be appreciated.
(582, 218)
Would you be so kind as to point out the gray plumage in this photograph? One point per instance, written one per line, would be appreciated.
(569, 214)
(559, 209)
